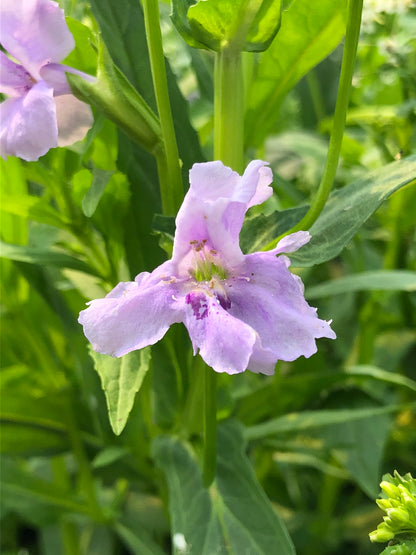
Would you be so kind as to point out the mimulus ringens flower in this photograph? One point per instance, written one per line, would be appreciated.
(41, 113)
(241, 311)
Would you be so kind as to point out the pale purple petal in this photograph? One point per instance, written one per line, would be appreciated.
(211, 184)
(74, 119)
(255, 183)
(215, 205)
(225, 343)
(54, 76)
(213, 180)
(14, 79)
(132, 316)
(270, 299)
(291, 242)
(28, 124)
(34, 32)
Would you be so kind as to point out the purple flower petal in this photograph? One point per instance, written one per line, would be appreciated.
(255, 183)
(215, 205)
(14, 79)
(291, 242)
(28, 124)
(54, 76)
(224, 342)
(74, 119)
(270, 299)
(132, 316)
(34, 32)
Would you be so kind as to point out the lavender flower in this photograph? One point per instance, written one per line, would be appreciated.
(41, 112)
(241, 311)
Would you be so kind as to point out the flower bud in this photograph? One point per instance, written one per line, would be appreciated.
(382, 534)
(390, 489)
(384, 504)
(398, 516)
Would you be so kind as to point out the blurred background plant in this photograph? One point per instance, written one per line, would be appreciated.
(81, 219)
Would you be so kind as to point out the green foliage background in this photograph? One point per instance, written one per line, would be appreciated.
(300, 453)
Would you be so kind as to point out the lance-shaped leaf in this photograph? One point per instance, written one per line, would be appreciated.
(239, 24)
(345, 212)
(114, 95)
(348, 208)
(121, 379)
(234, 516)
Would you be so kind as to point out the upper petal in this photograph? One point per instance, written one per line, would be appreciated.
(132, 316)
(214, 207)
(270, 299)
(34, 32)
(28, 124)
(224, 342)
(14, 79)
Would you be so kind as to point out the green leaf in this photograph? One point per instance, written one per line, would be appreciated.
(404, 547)
(33, 208)
(381, 375)
(84, 55)
(38, 501)
(121, 378)
(239, 24)
(234, 516)
(314, 419)
(379, 280)
(100, 178)
(259, 230)
(179, 18)
(306, 37)
(348, 208)
(45, 257)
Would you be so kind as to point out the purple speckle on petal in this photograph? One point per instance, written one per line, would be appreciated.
(199, 304)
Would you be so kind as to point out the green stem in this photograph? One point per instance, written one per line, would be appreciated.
(229, 109)
(347, 70)
(210, 426)
(171, 187)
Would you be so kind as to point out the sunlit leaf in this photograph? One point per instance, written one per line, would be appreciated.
(45, 257)
(121, 379)
(306, 37)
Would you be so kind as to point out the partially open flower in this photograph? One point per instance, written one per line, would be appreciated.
(241, 311)
(41, 112)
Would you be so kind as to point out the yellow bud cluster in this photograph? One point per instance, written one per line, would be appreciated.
(400, 508)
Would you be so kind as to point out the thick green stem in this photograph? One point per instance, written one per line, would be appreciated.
(347, 70)
(229, 109)
(210, 426)
(171, 187)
